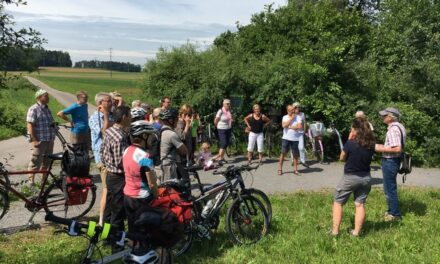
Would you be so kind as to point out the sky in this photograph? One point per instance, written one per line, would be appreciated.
(134, 29)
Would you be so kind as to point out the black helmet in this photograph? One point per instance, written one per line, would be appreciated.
(141, 127)
(168, 114)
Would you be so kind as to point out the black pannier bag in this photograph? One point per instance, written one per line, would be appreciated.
(76, 162)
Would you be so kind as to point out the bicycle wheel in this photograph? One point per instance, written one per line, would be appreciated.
(319, 151)
(165, 255)
(232, 148)
(262, 197)
(246, 220)
(55, 201)
(183, 245)
(4, 202)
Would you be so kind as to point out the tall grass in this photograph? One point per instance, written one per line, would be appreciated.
(298, 235)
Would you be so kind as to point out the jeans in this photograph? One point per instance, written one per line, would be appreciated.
(302, 151)
(390, 168)
(115, 199)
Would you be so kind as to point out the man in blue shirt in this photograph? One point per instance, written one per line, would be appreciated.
(79, 120)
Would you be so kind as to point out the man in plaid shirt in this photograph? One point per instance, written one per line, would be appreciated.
(112, 150)
(392, 150)
(42, 133)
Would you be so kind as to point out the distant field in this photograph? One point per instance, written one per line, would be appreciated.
(93, 81)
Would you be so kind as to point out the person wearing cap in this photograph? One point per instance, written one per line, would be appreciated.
(223, 122)
(79, 135)
(41, 132)
(391, 151)
(302, 151)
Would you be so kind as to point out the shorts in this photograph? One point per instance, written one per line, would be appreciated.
(169, 172)
(39, 159)
(102, 174)
(224, 137)
(81, 139)
(292, 145)
(359, 186)
(259, 139)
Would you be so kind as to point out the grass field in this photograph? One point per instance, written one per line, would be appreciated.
(16, 100)
(91, 80)
(298, 235)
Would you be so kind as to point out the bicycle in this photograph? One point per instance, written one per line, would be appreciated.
(240, 214)
(96, 234)
(314, 136)
(50, 198)
(207, 131)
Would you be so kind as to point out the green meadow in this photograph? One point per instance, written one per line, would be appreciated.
(298, 235)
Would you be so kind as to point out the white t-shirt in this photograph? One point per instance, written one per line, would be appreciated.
(290, 134)
(224, 122)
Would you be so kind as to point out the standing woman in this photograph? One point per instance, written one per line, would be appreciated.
(357, 154)
(223, 123)
(183, 130)
(255, 123)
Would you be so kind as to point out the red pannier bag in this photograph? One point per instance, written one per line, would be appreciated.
(77, 189)
(168, 197)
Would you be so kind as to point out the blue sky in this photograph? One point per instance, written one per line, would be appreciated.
(134, 29)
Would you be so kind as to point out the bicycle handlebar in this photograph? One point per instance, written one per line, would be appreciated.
(234, 168)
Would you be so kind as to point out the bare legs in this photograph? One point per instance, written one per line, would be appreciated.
(359, 218)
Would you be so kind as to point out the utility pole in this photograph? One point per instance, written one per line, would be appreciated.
(111, 73)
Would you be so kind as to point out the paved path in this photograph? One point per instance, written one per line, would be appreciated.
(317, 177)
(18, 146)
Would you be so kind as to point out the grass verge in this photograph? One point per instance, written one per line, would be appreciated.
(15, 102)
(298, 235)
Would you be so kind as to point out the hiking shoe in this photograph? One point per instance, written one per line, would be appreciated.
(391, 218)
(331, 234)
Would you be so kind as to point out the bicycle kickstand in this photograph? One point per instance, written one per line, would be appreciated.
(31, 220)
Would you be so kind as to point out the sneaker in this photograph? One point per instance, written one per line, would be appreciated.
(305, 164)
(391, 218)
(351, 232)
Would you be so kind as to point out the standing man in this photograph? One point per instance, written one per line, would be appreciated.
(99, 122)
(79, 120)
(165, 103)
(170, 145)
(291, 123)
(41, 132)
(112, 150)
(391, 151)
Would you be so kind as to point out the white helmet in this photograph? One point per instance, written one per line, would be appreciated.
(138, 113)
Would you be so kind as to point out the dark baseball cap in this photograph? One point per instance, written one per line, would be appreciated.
(390, 110)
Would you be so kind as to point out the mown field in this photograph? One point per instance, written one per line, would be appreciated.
(15, 101)
(91, 80)
(298, 235)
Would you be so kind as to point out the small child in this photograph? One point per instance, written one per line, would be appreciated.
(205, 157)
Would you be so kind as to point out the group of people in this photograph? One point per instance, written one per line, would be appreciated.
(136, 148)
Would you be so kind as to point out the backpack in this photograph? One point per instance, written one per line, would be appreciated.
(75, 162)
(170, 230)
(170, 198)
(153, 147)
(405, 159)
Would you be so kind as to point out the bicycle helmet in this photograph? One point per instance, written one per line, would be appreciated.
(138, 113)
(141, 127)
(168, 114)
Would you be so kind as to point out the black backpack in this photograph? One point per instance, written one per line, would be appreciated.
(75, 162)
(405, 159)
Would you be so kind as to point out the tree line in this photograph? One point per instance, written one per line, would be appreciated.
(108, 65)
(335, 57)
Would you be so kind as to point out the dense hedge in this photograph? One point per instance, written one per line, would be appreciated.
(335, 58)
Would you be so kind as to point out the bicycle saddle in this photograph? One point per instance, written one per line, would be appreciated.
(56, 156)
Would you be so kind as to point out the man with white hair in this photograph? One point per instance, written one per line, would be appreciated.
(391, 151)
(41, 133)
(99, 122)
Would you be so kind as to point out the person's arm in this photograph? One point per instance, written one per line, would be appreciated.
(182, 150)
(65, 117)
(217, 118)
(106, 124)
(31, 132)
(343, 156)
(246, 120)
(382, 149)
(287, 121)
(151, 182)
(266, 121)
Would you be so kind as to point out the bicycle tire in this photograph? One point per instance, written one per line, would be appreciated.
(238, 218)
(263, 198)
(4, 202)
(183, 246)
(55, 201)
